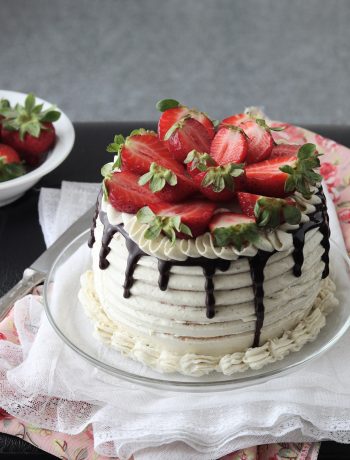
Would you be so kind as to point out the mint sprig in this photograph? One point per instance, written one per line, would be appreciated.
(238, 235)
(199, 160)
(302, 175)
(221, 177)
(271, 212)
(169, 225)
(158, 177)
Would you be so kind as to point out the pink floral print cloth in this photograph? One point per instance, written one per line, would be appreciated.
(335, 168)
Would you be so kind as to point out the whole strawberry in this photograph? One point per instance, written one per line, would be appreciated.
(10, 163)
(29, 129)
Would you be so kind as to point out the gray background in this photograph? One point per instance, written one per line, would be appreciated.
(113, 59)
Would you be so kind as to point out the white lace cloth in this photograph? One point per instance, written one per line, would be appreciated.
(47, 384)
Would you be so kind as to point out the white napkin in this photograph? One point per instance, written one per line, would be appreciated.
(51, 386)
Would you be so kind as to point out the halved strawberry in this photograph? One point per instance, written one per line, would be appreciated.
(235, 120)
(260, 140)
(284, 150)
(173, 111)
(125, 194)
(219, 183)
(229, 228)
(280, 176)
(197, 162)
(195, 215)
(269, 212)
(139, 150)
(10, 163)
(167, 185)
(186, 135)
(229, 146)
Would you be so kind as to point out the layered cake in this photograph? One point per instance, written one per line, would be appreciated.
(209, 245)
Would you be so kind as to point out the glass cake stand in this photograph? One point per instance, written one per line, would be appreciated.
(76, 330)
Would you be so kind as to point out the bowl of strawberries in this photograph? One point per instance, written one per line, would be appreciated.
(35, 137)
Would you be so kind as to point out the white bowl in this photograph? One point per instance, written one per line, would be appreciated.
(13, 189)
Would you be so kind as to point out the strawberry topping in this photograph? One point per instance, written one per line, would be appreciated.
(229, 146)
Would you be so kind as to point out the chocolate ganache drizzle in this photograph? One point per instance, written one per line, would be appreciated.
(318, 219)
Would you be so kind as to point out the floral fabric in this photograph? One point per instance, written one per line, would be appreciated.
(335, 168)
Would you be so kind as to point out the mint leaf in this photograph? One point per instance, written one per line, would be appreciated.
(165, 104)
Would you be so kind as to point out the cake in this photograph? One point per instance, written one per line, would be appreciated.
(209, 245)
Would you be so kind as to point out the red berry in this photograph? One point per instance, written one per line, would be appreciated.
(32, 149)
(235, 120)
(284, 150)
(224, 195)
(8, 154)
(188, 134)
(247, 202)
(266, 178)
(141, 150)
(229, 146)
(260, 141)
(195, 214)
(126, 195)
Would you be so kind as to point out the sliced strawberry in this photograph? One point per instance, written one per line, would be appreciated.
(284, 150)
(10, 163)
(173, 111)
(229, 146)
(186, 135)
(194, 214)
(247, 202)
(269, 212)
(228, 228)
(142, 148)
(260, 141)
(280, 176)
(223, 195)
(125, 194)
(235, 120)
(266, 178)
(197, 162)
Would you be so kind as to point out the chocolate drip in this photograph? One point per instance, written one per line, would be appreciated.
(135, 253)
(164, 267)
(257, 265)
(209, 273)
(319, 219)
(108, 232)
(94, 219)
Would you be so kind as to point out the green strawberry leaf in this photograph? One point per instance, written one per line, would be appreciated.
(168, 225)
(158, 177)
(165, 104)
(236, 235)
(261, 122)
(29, 103)
(199, 160)
(272, 212)
(221, 177)
(51, 116)
(10, 170)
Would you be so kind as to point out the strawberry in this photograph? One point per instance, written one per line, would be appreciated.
(184, 220)
(269, 212)
(229, 145)
(280, 176)
(10, 163)
(167, 185)
(173, 112)
(228, 228)
(186, 135)
(124, 192)
(284, 150)
(235, 120)
(139, 150)
(260, 140)
(29, 129)
(197, 162)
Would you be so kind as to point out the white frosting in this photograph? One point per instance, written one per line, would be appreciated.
(157, 356)
(203, 246)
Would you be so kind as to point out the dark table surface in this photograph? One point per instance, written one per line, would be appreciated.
(21, 240)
